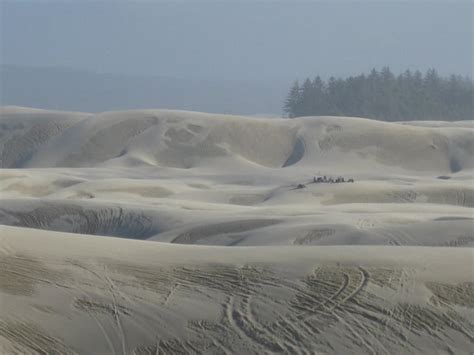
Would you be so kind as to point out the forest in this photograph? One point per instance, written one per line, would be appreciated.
(385, 96)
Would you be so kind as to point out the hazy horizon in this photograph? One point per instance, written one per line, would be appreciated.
(262, 41)
(235, 57)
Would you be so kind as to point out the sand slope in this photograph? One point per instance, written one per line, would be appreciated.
(189, 139)
(154, 231)
(83, 294)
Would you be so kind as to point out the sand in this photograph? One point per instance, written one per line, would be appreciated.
(156, 231)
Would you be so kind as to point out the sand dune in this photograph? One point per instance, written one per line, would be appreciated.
(190, 140)
(146, 297)
(232, 257)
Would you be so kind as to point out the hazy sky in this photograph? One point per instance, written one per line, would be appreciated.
(244, 40)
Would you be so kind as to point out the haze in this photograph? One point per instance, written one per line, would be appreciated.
(239, 40)
(206, 54)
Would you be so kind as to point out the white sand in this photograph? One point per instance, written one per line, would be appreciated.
(367, 267)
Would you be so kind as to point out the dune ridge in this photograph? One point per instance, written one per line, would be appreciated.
(188, 139)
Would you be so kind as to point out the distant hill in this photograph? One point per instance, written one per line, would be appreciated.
(31, 138)
(76, 90)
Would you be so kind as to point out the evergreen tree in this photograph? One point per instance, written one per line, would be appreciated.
(307, 98)
(382, 95)
(318, 96)
(293, 101)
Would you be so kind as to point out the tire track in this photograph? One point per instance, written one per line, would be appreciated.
(116, 313)
(170, 294)
(252, 321)
(247, 330)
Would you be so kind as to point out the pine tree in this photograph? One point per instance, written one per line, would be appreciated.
(318, 96)
(382, 95)
(293, 101)
(307, 98)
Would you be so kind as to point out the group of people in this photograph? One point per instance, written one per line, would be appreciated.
(330, 180)
(326, 180)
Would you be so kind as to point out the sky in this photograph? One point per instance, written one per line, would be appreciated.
(259, 41)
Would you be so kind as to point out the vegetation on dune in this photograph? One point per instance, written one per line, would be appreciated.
(385, 96)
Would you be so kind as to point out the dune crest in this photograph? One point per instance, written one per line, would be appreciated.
(180, 139)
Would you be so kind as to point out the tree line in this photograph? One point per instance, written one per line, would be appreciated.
(385, 96)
